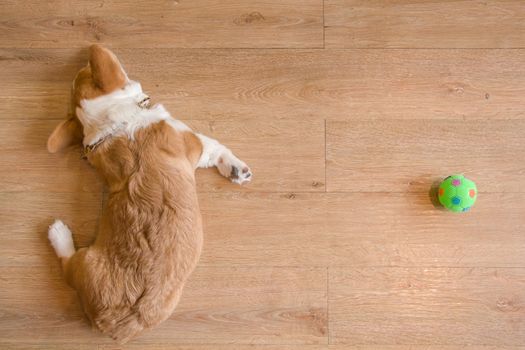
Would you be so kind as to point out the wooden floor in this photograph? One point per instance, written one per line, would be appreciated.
(348, 111)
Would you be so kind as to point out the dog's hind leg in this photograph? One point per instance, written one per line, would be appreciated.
(218, 155)
(62, 241)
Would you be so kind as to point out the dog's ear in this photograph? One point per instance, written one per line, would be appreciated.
(108, 74)
(67, 133)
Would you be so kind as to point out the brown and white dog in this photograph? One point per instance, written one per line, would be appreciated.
(150, 236)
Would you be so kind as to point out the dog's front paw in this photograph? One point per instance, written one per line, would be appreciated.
(234, 169)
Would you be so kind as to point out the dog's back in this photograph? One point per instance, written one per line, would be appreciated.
(150, 237)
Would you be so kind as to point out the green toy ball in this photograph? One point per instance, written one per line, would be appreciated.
(457, 193)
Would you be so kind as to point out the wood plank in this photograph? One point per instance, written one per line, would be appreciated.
(301, 347)
(265, 229)
(26, 216)
(160, 23)
(219, 306)
(274, 150)
(304, 84)
(298, 229)
(142, 346)
(427, 306)
(27, 166)
(424, 24)
(361, 229)
(405, 229)
(402, 155)
(55, 346)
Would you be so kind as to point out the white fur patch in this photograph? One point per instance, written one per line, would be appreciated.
(211, 151)
(216, 154)
(118, 114)
(178, 125)
(61, 239)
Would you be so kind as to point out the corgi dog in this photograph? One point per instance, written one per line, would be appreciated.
(150, 236)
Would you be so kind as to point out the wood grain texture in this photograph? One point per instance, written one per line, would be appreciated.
(300, 347)
(161, 23)
(275, 229)
(26, 216)
(27, 166)
(424, 24)
(400, 229)
(427, 306)
(277, 84)
(336, 244)
(297, 229)
(58, 346)
(361, 229)
(274, 150)
(55, 346)
(402, 155)
(219, 306)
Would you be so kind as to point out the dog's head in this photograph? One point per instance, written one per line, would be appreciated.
(103, 75)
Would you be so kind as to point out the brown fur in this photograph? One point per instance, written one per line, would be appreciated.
(108, 74)
(101, 76)
(66, 133)
(150, 237)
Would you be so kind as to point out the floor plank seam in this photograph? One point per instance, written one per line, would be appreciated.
(298, 48)
(307, 267)
(324, 28)
(117, 49)
(283, 192)
(325, 158)
(328, 304)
